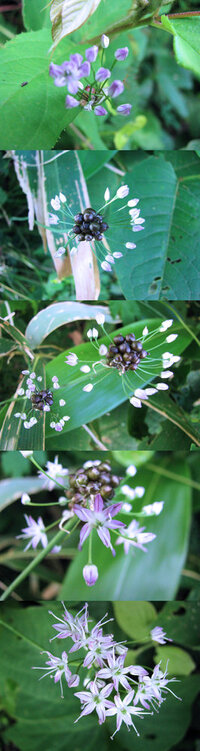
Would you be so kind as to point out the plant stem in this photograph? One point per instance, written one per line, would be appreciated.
(46, 473)
(94, 438)
(173, 475)
(32, 565)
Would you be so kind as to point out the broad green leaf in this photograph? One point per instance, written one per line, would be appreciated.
(161, 266)
(135, 618)
(59, 314)
(6, 346)
(13, 435)
(13, 488)
(178, 661)
(36, 14)
(154, 575)
(92, 162)
(186, 32)
(177, 622)
(108, 390)
(67, 16)
(32, 116)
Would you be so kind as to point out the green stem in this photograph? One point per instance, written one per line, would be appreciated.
(173, 475)
(46, 473)
(32, 565)
(90, 549)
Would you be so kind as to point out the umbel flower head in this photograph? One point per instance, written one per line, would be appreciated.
(41, 400)
(128, 355)
(97, 225)
(109, 689)
(92, 478)
(88, 82)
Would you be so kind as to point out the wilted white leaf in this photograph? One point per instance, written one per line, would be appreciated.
(68, 15)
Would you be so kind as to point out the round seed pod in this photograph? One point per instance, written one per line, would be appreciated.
(87, 482)
(88, 238)
(126, 353)
(78, 218)
(104, 226)
(40, 398)
(85, 226)
(81, 237)
(88, 215)
(76, 229)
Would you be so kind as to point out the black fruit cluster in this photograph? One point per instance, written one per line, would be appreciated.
(89, 225)
(86, 482)
(41, 398)
(125, 353)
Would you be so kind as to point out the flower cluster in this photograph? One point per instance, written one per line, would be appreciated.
(125, 354)
(41, 401)
(88, 85)
(110, 688)
(66, 225)
(82, 496)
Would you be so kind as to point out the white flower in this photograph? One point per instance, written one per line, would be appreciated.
(103, 349)
(88, 387)
(25, 499)
(128, 492)
(56, 471)
(55, 203)
(131, 470)
(105, 41)
(62, 402)
(100, 318)
(139, 491)
(166, 324)
(133, 202)
(162, 386)
(131, 246)
(118, 255)
(145, 331)
(92, 333)
(85, 369)
(35, 531)
(60, 252)
(166, 374)
(126, 507)
(53, 219)
(123, 710)
(55, 382)
(107, 195)
(62, 197)
(123, 191)
(157, 634)
(109, 259)
(21, 392)
(106, 266)
(26, 453)
(71, 359)
(153, 508)
(171, 338)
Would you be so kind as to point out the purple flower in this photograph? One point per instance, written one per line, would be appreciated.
(100, 110)
(99, 518)
(70, 102)
(122, 53)
(124, 109)
(90, 574)
(91, 53)
(102, 74)
(116, 88)
(95, 699)
(34, 532)
(58, 73)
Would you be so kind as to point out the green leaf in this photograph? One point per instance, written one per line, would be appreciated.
(58, 314)
(13, 488)
(6, 346)
(31, 116)
(137, 458)
(178, 661)
(66, 16)
(36, 14)
(186, 32)
(154, 575)
(135, 618)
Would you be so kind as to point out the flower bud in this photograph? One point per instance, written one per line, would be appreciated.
(90, 574)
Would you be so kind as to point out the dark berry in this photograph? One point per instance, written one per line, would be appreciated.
(104, 226)
(88, 238)
(78, 218)
(76, 230)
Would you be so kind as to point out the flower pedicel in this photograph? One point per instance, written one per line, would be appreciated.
(109, 688)
(88, 88)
